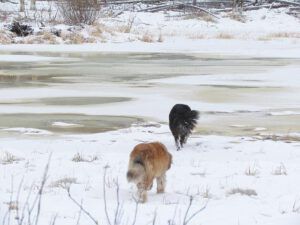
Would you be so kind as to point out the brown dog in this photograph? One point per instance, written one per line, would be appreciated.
(148, 161)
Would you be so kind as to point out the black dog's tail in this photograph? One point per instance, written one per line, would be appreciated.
(191, 118)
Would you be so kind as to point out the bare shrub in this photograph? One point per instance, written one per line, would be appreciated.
(78, 12)
(248, 192)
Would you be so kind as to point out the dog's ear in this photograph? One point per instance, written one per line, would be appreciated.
(138, 160)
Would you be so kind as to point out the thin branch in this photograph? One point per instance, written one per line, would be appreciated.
(104, 194)
(81, 207)
(40, 193)
(154, 217)
(135, 211)
(187, 219)
(116, 221)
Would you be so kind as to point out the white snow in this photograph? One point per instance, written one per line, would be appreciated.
(208, 168)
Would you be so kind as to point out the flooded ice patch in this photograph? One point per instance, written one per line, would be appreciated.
(27, 58)
(62, 101)
(63, 123)
(31, 131)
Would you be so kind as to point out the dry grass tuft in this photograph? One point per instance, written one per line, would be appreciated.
(251, 171)
(276, 35)
(147, 37)
(13, 205)
(97, 30)
(280, 170)
(64, 183)
(8, 158)
(160, 38)
(206, 193)
(248, 192)
(81, 158)
(196, 36)
(43, 37)
(237, 16)
(76, 38)
(6, 37)
(200, 16)
(223, 35)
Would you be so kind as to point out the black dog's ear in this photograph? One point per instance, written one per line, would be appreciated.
(138, 160)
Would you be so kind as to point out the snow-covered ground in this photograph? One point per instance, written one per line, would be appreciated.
(241, 180)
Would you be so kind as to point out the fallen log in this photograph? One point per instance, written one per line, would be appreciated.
(201, 9)
(288, 2)
(176, 6)
(254, 7)
(131, 2)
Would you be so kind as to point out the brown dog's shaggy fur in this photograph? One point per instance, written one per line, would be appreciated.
(148, 161)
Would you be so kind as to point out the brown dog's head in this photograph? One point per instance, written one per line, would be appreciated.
(136, 171)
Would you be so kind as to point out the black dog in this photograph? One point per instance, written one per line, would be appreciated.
(182, 120)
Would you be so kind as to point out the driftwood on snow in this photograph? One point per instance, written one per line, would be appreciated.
(254, 7)
(177, 6)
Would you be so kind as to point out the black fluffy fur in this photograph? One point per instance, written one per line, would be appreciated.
(182, 121)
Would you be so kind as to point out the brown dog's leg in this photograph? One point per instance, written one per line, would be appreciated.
(161, 183)
(142, 193)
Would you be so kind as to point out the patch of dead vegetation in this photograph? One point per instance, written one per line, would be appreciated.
(278, 35)
(285, 138)
(64, 183)
(237, 16)
(76, 38)
(224, 35)
(147, 37)
(12, 205)
(241, 191)
(280, 170)
(81, 158)
(200, 16)
(44, 37)
(196, 36)
(6, 37)
(252, 171)
(8, 158)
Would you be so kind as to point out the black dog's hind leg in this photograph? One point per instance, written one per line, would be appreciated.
(176, 138)
(183, 139)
